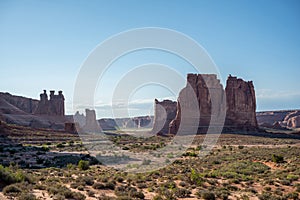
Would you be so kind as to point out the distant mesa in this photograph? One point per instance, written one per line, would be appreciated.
(285, 119)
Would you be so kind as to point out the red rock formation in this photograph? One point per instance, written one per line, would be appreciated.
(11, 104)
(288, 119)
(206, 88)
(294, 122)
(52, 107)
(208, 110)
(164, 113)
(241, 105)
(71, 127)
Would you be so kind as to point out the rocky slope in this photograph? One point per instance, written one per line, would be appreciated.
(279, 119)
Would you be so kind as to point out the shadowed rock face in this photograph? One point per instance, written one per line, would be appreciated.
(164, 112)
(11, 104)
(52, 107)
(241, 105)
(33, 113)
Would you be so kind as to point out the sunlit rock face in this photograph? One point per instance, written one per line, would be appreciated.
(196, 99)
(241, 105)
(205, 101)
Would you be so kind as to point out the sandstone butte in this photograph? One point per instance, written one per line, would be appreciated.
(237, 103)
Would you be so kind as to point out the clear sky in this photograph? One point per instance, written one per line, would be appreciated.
(44, 43)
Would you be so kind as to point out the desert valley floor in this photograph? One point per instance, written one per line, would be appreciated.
(41, 164)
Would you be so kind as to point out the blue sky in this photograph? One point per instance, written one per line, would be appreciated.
(44, 43)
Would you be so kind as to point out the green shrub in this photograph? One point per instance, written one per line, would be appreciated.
(45, 148)
(297, 187)
(110, 185)
(182, 193)
(98, 186)
(77, 196)
(87, 180)
(83, 165)
(60, 145)
(265, 196)
(191, 154)
(208, 195)
(7, 176)
(292, 195)
(11, 189)
(277, 158)
(196, 178)
(26, 196)
(128, 191)
(157, 197)
(292, 177)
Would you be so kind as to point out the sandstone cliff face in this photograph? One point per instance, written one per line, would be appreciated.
(294, 122)
(270, 117)
(205, 88)
(21, 111)
(164, 113)
(241, 105)
(287, 119)
(53, 106)
(11, 104)
(210, 104)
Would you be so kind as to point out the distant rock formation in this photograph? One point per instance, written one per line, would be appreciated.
(164, 112)
(91, 124)
(142, 121)
(53, 107)
(71, 127)
(241, 105)
(270, 117)
(286, 119)
(33, 113)
(12, 104)
(107, 124)
(78, 118)
(292, 120)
